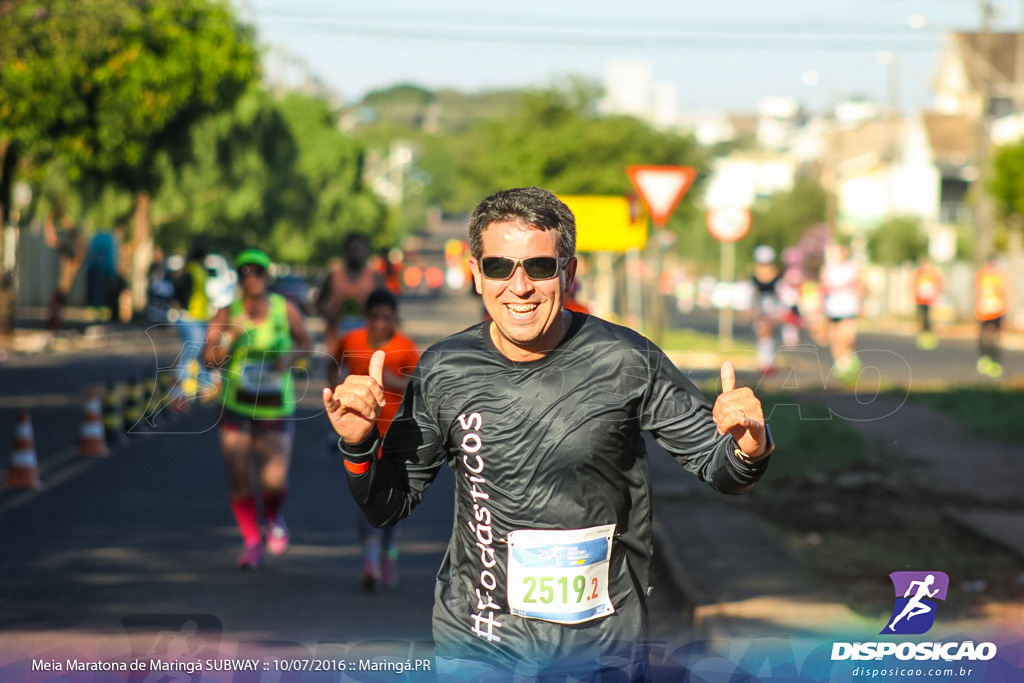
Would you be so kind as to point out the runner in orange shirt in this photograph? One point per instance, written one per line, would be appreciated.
(927, 288)
(990, 304)
(352, 353)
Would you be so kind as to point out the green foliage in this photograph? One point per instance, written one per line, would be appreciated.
(405, 105)
(105, 85)
(897, 240)
(556, 141)
(816, 441)
(108, 98)
(269, 172)
(472, 145)
(990, 413)
(1006, 183)
(782, 219)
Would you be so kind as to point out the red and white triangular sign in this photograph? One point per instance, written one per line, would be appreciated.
(661, 188)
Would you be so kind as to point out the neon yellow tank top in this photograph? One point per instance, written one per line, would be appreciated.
(251, 386)
(198, 302)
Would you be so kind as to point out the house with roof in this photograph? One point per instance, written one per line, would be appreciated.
(980, 78)
(925, 165)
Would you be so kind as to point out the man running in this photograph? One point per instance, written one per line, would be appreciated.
(540, 412)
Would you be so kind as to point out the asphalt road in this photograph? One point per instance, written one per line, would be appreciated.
(889, 353)
(111, 542)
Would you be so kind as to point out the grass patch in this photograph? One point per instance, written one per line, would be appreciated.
(992, 413)
(689, 340)
(852, 512)
(810, 442)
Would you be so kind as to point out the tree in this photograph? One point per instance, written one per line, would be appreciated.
(104, 84)
(1006, 183)
(782, 219)
(331, 166)
(107, 86)
(897, 240)
(271, 172)
(557, 139)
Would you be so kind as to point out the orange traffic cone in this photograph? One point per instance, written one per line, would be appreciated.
(91, 442)
(23, 472)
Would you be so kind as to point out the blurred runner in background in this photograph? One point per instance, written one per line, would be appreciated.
(768, 308)
(843, 290)
(256, 341)
(192, 315)
(991, 295)
(346, 288)
(352, 353)
(927, 288)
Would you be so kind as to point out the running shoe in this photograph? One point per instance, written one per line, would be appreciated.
(371, 579)
(927, 341)
(251, 557)
(277, 537)
(370, 582)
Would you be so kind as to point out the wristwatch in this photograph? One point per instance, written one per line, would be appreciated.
(769, 446)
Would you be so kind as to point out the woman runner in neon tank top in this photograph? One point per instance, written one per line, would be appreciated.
(255, 341)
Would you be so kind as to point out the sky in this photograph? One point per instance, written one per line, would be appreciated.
(717, 54)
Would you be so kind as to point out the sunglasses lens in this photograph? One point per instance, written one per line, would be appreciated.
(541, 267)
(497, 267)
(537, 268)
(245, 271)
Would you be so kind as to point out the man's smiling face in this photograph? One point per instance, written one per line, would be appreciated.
(527, 319)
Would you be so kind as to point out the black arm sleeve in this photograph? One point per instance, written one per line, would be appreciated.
(411, 456)
(679, 418)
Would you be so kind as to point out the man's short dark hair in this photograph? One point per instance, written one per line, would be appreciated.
(531, 206)
(381, 297)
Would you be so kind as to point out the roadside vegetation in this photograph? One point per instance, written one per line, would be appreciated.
(852, 511)
(991, 413)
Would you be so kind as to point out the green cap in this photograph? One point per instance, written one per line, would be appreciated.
(254, 256)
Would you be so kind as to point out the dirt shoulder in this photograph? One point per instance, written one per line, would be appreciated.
(927, 495)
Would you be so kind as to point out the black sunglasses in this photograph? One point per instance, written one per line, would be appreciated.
(250, 269)
(536, 268)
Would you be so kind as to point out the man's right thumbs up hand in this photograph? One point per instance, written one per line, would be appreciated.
(354, 405)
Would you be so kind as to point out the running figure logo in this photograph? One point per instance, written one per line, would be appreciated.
(914, 612)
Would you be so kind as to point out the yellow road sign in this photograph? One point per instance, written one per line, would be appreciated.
(607, 223)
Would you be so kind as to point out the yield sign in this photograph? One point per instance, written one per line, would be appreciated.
(661, 188)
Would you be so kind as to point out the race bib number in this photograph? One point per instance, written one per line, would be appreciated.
(259, 385)
(257, 377)
(560, 575)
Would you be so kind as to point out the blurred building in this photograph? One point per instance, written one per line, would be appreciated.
(630, 89)
(970, 64)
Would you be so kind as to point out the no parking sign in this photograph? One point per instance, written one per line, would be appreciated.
(729, 223)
